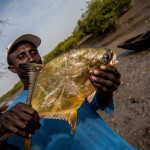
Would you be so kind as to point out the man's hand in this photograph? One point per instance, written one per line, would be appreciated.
(106, 80)
(20, 119)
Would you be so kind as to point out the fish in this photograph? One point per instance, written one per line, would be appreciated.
(58, 88)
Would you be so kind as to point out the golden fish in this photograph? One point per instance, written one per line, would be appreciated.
(59, 87)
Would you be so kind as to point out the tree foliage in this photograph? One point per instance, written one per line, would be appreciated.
(99, 16)
(16, 87)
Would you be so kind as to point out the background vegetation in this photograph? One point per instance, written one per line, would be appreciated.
(98, 17)
(16, 87)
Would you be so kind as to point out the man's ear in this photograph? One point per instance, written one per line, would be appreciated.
(12, 68)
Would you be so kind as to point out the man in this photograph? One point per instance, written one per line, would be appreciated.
(91, 131)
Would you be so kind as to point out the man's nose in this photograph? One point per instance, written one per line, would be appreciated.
(30, 58)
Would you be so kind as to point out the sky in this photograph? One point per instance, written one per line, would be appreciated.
(52, 20)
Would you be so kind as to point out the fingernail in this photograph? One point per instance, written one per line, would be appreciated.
(92, 77)
(103, 67)
(94, 71)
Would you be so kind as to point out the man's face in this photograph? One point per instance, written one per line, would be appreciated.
(24, 53)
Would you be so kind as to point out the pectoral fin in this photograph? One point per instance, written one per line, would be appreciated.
(90, 97)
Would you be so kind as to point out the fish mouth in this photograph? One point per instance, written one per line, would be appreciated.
(114, 59)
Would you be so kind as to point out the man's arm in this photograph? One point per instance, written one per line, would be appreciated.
(106, 80)
(21, 119)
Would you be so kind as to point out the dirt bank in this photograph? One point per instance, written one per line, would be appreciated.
(131, 118)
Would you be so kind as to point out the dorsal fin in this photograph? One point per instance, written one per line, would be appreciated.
(33, 71)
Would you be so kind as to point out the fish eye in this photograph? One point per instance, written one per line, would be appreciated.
(107, 57)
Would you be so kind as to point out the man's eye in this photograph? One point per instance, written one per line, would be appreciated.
(33, 53)
(20, 57)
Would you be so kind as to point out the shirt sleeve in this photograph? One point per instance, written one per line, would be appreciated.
(22, 97)
(109, 108)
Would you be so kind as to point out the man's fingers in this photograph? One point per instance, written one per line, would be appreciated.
(103, 84)
(106, 75)
(101, 88)
(22, 115)
(20, 125)
(25, 108)
(16, 122)
(15, 130)
(23, 118)
(106, 83)
(103, 74)
(104, 89)
(112, 69)
(31, 117)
